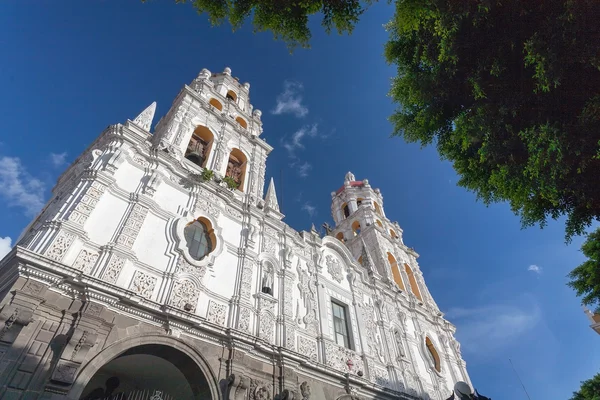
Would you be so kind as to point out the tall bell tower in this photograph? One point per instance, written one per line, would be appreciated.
(374, 240)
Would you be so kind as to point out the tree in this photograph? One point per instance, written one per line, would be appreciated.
(287, 19)
(585, 279)
(509, 92)
(590, 389)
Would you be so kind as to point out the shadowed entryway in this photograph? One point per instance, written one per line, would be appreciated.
(148, 372)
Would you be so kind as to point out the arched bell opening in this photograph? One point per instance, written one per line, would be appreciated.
(146, 371)
(199, 146)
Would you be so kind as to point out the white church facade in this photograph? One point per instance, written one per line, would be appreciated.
(158, 270)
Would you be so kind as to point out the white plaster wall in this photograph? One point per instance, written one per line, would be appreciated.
(170, 198)
(223, 276)
(151, 244)
(128, 177)
(105, 218)
(231, 230)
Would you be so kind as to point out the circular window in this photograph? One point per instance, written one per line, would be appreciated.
(198, 238)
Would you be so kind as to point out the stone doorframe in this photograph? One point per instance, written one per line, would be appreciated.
(115, 349)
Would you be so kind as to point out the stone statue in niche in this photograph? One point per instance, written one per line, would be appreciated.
(398, 338)
(267, 278)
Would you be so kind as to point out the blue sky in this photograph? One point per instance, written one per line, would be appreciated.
(70, 68)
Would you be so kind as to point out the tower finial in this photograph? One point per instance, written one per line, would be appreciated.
(350, 177)
(271, 197)
(144, 120)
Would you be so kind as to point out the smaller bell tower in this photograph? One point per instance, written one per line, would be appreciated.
(374, 240)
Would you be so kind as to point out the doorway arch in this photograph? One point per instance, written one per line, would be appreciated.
(151, 362)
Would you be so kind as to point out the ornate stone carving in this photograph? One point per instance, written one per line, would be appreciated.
(184, 292)
(216, 313)
(308, 347)
(144, 120)
(337, 357)
(267, 278)
(269, 245)
(246, 288)
(87, 203)
(33, 288)
(94, 309)
(267, 326)
(370, 328)
(113, 269)
(143, 284)
(399, 345)
(290, 337)
(184, 267)
(132, 226)
(233, 212)
(65, 372)
(334, 268)
(60, 246)
(305, 391)
(86, 260)
(244, 321)
(141, 161)
(288, 298)
(210, 207)
(380, 376)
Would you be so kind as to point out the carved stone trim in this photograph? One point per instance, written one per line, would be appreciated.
(143, 284)
(132, 226)
(217, 313)
(60, 246)
(86, 260)
(113, 269)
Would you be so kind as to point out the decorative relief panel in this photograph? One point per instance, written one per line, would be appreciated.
(233, 212)
(210, 207)
(244, 321)
(270, 245)
(87, 203)
(290, 337)
(288, 298)
(267, 326)
(246, 289)
(59, 247)
(184, 295)
(113, 269)
(216, 313)
(308, 347)
(337, 357)
(184, 267)
(132, 226)
(271, 231)
(86, 260)
(334, 268)
(370, 328)
(143, 284)
(381, 377)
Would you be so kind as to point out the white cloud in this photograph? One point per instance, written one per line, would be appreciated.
(310, 209)
(58, 160)
(535, 268)
(295, 142)
(19, 188)
(5, 246)
(290, 100)
(490, 329)
(303, 169)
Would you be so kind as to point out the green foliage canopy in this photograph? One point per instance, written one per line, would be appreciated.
(590, 389)
(286, 19)
(509, 92)
(585, 279)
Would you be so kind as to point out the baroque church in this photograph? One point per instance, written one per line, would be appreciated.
(158, 270)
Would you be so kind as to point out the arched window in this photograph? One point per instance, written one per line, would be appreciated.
(231, 95)
(359, 201)
(413, 282)
(346, 210)
(242, 122)
(356, 227)
(435, 358)
(395, 271)
(393, 234)
(379, 223)
(216, 103)
(199, 146)
(200, 238)
(340, 236)
(377, 208)
(236, 167)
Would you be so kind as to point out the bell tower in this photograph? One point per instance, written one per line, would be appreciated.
(374, 240)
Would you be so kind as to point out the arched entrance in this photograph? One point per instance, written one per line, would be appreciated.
(153, 370)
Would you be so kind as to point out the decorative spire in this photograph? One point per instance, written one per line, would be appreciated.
(350, 177)
(313, 229)
(271, 197)
(367, 261)
(144, 120)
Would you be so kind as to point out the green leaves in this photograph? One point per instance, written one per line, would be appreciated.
(286, 19)
(590, 389)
